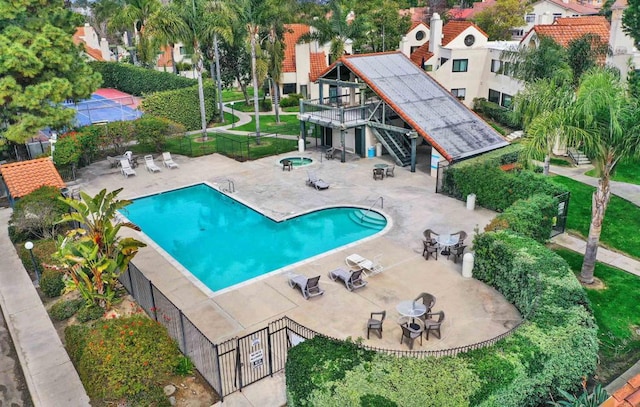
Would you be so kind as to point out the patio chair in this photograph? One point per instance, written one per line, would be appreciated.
(389, 171)
(316, 182)
(355, 261)
(411, 331)
(457, 252)
(375, 322)
(428, 300)
(168, 161)
(433, 324)
(378, 173)
(287, 165)
(429, 249)
(461, 236)
(308, 286)
(430, 236)
(150, 164)
(128, 155)
(125, 168)
(329, 153)
(352, 279)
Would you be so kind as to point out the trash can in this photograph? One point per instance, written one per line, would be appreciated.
(467, 265)
(371, 152)
(471, 202)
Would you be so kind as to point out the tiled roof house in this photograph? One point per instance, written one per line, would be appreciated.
(23, 177)
(96, 49)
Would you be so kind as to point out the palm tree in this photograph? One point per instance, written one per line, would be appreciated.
(134, 15)
(606, 122)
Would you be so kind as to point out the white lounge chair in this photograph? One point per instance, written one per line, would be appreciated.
(355, 261)
(150, 164)
(316, 182)
(168, 161)
(125, 168)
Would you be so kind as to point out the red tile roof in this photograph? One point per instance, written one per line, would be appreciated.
(318, 65)
(292, 34)
(468, 13)
(626, 396)
(165, 58)
(583, 9)
(422, 52)
(582, 20)
(24, 177)
(417, 14)
(78, 38)
(564, 34)
(454, 28)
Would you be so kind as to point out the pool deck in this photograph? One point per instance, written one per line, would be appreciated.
(474, 312)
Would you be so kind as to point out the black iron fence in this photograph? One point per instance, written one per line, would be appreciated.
(238, 362)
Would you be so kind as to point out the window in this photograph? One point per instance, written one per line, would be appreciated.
(443, 61)
(530, 18)
(494, 96)
(469, 40)
(428, 68)
(303, 91)
(459, 93)
(506, 100)
(183, 51)
(517, 32)
(413, 49)
(556, 16)
(495, 65)
(460, 65)
(288, 88)
(420, 35)
(507, 68)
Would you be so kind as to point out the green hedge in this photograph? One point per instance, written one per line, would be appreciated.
(555, 347)
(496, 189)
(182, 105)
(327, 372)
(496, 112)
(138, 81)
(532, 217)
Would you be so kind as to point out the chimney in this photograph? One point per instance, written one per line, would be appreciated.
(435, 33)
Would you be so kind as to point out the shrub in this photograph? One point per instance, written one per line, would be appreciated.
(68, 149)
(138, 81)
(153, 131)
(532, 217)
(292, 100)
(182, 105)
(52, 283)
(89, 313)
(64, 309)
(265, 105)
(495, 112)
(35, 215)
(123, 358)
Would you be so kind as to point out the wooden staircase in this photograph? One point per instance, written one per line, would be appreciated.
(578, 157)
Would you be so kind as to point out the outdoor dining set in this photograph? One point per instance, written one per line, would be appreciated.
(446, 244)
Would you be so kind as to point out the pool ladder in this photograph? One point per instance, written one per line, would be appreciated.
(364, 215)
(231, 187)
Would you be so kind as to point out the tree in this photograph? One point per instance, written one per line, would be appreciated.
(631, 21)
(134, 15)
(35, 215)
(40, 67)
(605, 121)
(93, 255)
(498, 20)
(387, 26)
(585, 53)
(547, 60)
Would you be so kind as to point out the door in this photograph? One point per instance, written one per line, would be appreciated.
(328, 136)
(359, 147)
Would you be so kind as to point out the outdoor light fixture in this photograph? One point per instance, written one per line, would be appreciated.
(29, 246)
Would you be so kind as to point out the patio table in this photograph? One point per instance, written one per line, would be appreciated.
(410, 308)
(445, 242)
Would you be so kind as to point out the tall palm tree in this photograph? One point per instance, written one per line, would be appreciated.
(221, 26)
(606, 122)
(134, 15)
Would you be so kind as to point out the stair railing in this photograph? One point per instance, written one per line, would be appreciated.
(364, 215)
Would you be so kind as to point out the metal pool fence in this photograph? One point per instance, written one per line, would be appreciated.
(238, 362)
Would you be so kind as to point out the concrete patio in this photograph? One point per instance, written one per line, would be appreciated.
(474, 312)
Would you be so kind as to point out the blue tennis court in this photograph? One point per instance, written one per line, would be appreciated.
(99, 109)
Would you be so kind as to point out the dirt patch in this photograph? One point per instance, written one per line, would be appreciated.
(596, 285)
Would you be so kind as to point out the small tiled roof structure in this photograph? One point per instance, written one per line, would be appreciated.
(626, 396)
(318, 65)
(583, 9)
(421, 54)
(469, 13)
(454, 28)
(291, 36)
(565, 30)
(78, 38)
(23, 177)
(165, 58)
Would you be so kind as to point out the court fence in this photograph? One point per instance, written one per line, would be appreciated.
(238, 362)
(105, 110)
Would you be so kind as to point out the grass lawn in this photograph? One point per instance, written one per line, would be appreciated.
(616, 308)
(228, 119)
(561, 162)
(626, 171)
(190, 146)
(621, 222)
(233, 94)
(289, 125)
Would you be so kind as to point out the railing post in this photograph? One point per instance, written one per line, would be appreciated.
(153, 301)
(184, 338)
(238, 365)
(270, 350)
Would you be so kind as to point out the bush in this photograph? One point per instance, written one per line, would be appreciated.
(496, 112)
(182, 105)
(533, 217)
(35, 215)
(68, 149)
(123, 358)
(265, 105)
(89, 313)
(52, 283)
(138, 81)
(153, 131)
(64, 309)
(293, 99)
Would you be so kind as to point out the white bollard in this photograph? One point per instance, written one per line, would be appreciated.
(467, 265)
(300, 145)
(471, 202)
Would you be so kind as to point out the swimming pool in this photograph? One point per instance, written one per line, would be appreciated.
(223, 242)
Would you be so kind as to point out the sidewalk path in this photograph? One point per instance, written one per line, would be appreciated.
(630, 192)
(48, 371)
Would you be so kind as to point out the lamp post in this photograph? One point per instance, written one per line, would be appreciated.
(29, 246)
(233, 116)
(52, 140)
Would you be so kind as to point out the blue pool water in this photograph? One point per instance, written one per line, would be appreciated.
(223, 242)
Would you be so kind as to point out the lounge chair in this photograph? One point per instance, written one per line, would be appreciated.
(352, 279)
(168, 161)
(316, 182)
(151, 166)
(308, 286)
(355, 261)
(125, 168)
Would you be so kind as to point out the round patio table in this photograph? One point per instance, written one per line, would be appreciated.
(380, 166)
(446, 241)
(410, 308)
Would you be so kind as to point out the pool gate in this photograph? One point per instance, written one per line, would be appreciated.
(238, 362)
